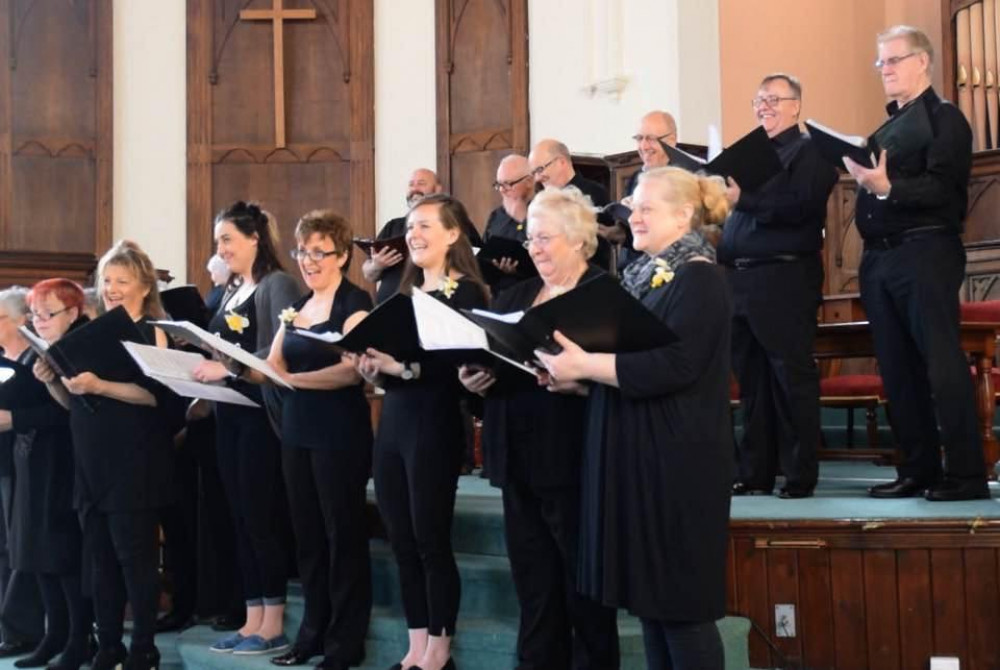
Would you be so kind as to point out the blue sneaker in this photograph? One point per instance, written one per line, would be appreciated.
(227, 644)
(255, 645)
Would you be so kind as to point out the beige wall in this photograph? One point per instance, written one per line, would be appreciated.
(828, 44)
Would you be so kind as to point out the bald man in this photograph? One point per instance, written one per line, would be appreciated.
(516, 187)
(655, 127)
(552, 167)
(386, 266)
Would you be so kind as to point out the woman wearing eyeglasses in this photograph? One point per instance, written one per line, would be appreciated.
(247, 447)
(326, 437)
(531, 445)
(44, 533)
(418, 449)
(657, 458)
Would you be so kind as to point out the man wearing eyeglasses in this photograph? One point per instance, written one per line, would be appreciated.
(516, 187)
(655, 127)
(386, 266)
(552, 167)
(910, 212)
(771, 248)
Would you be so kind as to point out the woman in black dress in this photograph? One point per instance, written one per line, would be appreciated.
(326, 437)
(420, 440)
(247, 444)
(658, 456)
(123, 474)
(531, 446)
(44, 537)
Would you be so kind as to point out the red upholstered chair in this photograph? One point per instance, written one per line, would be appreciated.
(985, 311)
(853, 391)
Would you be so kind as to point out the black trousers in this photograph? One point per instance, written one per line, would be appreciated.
(68, 615)
(910, 294)
(682, 646)
(774, 330)
(180, 532)
(250, 467)
(416, 490)
(22, 617)
(122, 548)
(559, 629)
(326, 498)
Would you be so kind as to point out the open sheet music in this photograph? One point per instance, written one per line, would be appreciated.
(175, 370)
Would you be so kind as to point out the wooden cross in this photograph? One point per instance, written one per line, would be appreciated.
(278, 15)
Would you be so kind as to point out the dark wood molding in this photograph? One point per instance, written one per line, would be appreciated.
(27, 267)
(6, 130)
(104, 146)
(201, 69)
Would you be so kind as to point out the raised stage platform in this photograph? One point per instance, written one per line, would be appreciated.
(875, 584)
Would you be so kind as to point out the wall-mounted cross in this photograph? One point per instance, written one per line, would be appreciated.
(278, 15)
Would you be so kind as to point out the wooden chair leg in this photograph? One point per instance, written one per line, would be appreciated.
(850, 427)
(871, 419)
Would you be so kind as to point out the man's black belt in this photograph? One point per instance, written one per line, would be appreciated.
(893, 241)
(747, 263)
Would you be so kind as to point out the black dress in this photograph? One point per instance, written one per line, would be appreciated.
(658, 463)
(418, 455)
(326, 460)
(531, 447)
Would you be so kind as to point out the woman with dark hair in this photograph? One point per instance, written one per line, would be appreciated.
(44, 537)
(247, 445)
(326, 454)
(418, 448)
(123, 467)
(658, 453)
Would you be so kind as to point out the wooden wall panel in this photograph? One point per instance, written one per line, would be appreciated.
(56, 130)
(916, 630)
(482, 95)
(327, 160)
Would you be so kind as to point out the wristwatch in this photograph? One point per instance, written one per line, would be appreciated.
(886, 196)
(408, 372)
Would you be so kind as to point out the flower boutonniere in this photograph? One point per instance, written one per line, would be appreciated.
(520, 227)
(662, 275)
(448, 287)
(237, 322)
(288, 315)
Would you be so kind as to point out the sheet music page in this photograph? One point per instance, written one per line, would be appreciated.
(175, 370)
(440, 327)
(6, 374)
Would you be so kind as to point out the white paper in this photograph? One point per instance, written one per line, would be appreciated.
(6, 374)
(203, 339)
(855, 140)
(440, 327)
(175, 370)
(328, 337)
(511, 317)
(38, 344)
(714, 142)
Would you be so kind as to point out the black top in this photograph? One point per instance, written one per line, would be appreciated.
(424, 412)
(502, 224)
(531, 436)
(657, 464)
(390, 278)
(238, 325)
(123, 451)
(214, 298)
(44, 532)
(598, 194)
(787, 214)
(929, 187)
(321, 419)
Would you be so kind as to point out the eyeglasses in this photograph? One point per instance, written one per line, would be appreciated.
(317, 255)
(893, 60)
(506, 185)
(47, 316)
(769, 100)
(638, 139)
(540, 241)
(537, 172)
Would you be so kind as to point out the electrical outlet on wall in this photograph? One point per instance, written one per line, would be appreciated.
(784, 620)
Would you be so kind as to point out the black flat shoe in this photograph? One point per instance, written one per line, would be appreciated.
(952, 490)
(73, 659)
(40, 657)
(109, 658)
(228, 622)
(904, 487)
(794, 492)
(450, 665)
(143, 660)
(741, 489)
(293, 657)
(9, 649)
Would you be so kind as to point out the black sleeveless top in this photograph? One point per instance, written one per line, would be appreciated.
(323, 419)
(238, 325)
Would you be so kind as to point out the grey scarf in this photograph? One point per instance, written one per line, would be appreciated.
(638, 276)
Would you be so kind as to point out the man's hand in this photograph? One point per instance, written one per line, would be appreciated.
(874, 180)
(505, 265)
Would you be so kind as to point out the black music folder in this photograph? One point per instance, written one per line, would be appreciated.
(389, 328)
(96, 347)
(184, 303)
(18, 386)
(497, 248)
(599, 315)
(908, 131)
(371, 247)
(751, 160)
(613, 214)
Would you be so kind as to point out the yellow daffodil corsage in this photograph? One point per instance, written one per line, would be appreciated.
(662, 275)
(288, 315)
(520, 227)
(237, 322)
(448, 287)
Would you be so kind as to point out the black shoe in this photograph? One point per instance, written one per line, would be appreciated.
(293, 657)
(228, 622)
(9, 649)
(795, 492)
(173, 621)
(73, 657)
(143, 660)
(450, 665)
(956, 489)
(904, 487)
(333, 665)
(40, 657)
(109, 657)
(741, 489)
(398, 666)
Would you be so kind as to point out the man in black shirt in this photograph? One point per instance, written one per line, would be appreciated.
(386, 266)
(516, 188)
(771, 246)
(910, 212)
